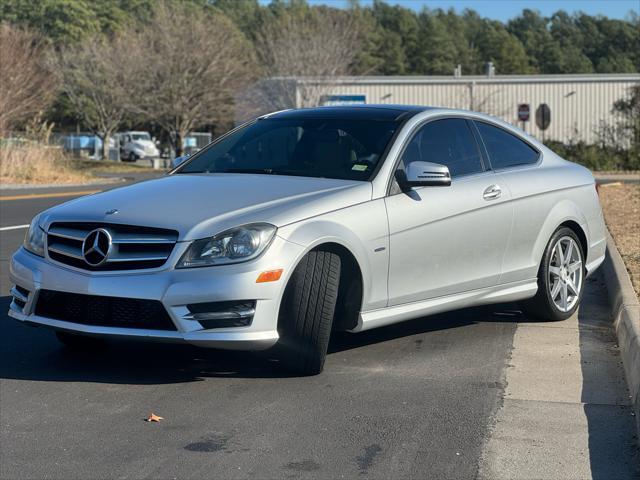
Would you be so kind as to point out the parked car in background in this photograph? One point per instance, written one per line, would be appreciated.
(307, 221)
(137, 146)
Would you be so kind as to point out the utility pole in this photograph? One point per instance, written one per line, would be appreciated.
(472, 86)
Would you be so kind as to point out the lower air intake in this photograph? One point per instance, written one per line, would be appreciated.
(103, 311)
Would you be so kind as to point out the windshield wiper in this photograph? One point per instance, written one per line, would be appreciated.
(267, 171)
(272, 171)
(297, 173)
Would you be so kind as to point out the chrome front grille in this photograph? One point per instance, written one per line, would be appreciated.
(131, 247)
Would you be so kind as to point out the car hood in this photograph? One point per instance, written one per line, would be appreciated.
(200, 205)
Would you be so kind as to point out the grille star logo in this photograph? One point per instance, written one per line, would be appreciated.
(97, 247)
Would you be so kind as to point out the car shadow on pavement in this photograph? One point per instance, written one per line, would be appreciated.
(30, 353)
(613, 447)
(501, 313)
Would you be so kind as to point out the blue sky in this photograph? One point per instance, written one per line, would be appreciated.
(506, 9)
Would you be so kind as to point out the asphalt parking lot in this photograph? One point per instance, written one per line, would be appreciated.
(477, 393)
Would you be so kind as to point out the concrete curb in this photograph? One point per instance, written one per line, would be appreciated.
(626, 320)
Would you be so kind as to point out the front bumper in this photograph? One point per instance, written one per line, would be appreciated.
(174, 288)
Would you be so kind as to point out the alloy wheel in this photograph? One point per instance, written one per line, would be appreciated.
(565, 274)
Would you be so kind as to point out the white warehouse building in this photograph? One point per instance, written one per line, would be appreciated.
(579, 104)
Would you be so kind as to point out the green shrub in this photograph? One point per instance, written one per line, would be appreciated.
(596, 157)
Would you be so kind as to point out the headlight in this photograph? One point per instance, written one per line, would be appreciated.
(236, 245)
(34, 239)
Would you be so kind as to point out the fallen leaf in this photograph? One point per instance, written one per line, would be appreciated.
(154, 418)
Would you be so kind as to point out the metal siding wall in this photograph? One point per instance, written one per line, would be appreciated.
(574, 116)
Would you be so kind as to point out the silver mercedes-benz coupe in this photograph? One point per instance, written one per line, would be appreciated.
(303, 222)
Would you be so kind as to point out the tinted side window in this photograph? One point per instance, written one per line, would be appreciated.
(448, 142)
(505, 150)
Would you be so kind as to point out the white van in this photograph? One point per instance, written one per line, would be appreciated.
(136, 146)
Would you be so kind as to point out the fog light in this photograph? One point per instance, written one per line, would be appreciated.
(222, 314)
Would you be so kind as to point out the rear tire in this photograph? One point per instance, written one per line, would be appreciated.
(307, 311)
(560, 278)
(79, 343)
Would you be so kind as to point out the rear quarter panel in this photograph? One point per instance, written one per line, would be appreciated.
(544, 197)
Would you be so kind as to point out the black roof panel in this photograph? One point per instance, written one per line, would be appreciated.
(355, 112)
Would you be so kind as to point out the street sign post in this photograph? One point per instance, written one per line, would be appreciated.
(543, 117)
(524, 111)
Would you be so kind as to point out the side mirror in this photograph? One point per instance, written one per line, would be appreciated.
(425, 174)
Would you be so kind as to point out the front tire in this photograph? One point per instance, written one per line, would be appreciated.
(560, 278)
(307, 311)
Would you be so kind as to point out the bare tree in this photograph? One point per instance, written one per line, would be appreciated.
(188, 68)
(298, 46)
(491, 101)
(27, 86)
(95, 78)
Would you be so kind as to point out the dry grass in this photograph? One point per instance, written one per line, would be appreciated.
(621, 206)
(35, 163)
(106, 166)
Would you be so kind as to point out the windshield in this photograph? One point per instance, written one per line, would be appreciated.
(140, 136)
(332, 148)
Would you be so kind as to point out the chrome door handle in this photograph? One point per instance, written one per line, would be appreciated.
(492, 192)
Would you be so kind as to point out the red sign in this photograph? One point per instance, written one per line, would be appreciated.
(524, 112)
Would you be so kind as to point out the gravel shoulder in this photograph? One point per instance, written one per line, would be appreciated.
(621, 207)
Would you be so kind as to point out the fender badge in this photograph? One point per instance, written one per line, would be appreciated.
(113, 211)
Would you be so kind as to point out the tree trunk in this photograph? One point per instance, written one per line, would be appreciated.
(105, 146)
(177, 143)
(180, 135)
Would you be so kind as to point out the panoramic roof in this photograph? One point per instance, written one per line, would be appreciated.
(355, 112)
